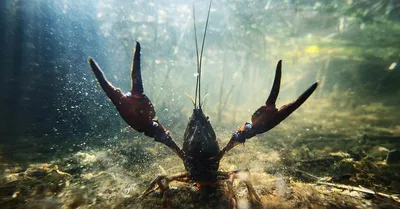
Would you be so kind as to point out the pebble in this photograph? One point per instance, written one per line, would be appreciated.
(393, 157)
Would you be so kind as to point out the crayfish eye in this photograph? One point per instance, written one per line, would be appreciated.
(248, 126)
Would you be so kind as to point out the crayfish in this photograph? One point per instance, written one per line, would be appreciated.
(200, 152)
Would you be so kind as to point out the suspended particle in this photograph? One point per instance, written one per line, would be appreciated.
(392, 66)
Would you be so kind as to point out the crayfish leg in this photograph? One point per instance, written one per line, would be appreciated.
(243, 175)
(161, 182)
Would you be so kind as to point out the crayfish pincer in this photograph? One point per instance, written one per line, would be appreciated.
(200, 152)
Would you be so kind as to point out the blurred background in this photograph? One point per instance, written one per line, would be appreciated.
(51, 103)
(63, 144)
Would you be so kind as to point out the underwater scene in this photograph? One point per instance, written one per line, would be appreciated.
(243, 104)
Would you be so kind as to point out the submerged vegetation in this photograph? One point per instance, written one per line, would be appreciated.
(63, 145)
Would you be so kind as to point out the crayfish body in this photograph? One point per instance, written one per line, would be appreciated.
(201, 149)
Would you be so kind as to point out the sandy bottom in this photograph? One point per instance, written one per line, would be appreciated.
(115, 177)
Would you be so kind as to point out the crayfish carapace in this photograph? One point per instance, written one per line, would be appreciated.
(200, 152)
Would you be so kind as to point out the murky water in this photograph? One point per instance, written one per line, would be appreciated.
(63, 144)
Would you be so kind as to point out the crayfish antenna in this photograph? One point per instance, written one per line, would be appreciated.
(204, 99)
(199, 59)
(191, 98)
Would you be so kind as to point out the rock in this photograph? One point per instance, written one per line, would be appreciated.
(340, 155)
(378, 152)
(393, 157)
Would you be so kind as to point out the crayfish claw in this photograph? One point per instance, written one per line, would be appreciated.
(286, 110)
(134, 106)
(112, 92)
(276, 86)
(136, 72)
(268, 116)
